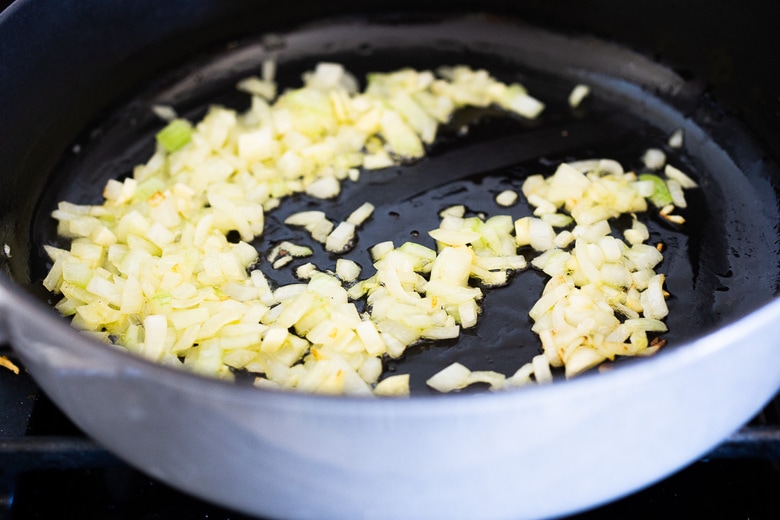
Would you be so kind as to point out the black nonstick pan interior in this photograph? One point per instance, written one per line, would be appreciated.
(721, 264)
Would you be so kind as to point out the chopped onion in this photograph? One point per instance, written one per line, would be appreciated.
(152, 268)
(360, 215)
(676, 193)
(324, 188)
(676, 139)
(578, 93)
(340, 240)
(347, 270)
(454, 377)
(396, 385)
(654, 158)
(164, 112)
(677, 175)
(542, 372)
(284, 252)
(306, 271)
(506, 198)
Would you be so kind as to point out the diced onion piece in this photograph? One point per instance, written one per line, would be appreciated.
(652, 299)
(654, 158)
(305, 218)
(534, 232)
(164, 112)
(340, 239)
(377, 160)
(490, 377)
(677, 175)
(521, 377)
(395, 385)
(285, 251)
(676, 139)
(563, 239)
(265, 88)
(400, 137)
(541, 367)
(381, 249)
(347, 270)
(324, 188)
(452, 237)
(578, 93)
(557, 220)
(524, 105)
(453, 377)
(439, 333)
(453, 211)
(155, 336)
(676, 193)
(360, 215)
(637, 234)
(452, 265)
(582, 359)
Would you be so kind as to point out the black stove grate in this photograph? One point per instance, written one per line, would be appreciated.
(49, 469)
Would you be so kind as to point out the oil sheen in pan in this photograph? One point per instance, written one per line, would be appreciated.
(620, 120)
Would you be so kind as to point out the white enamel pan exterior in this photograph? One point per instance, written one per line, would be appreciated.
(532, 453)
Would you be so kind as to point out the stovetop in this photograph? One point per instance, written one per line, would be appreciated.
(50, 469)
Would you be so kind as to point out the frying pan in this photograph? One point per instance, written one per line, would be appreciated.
(77, 82)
